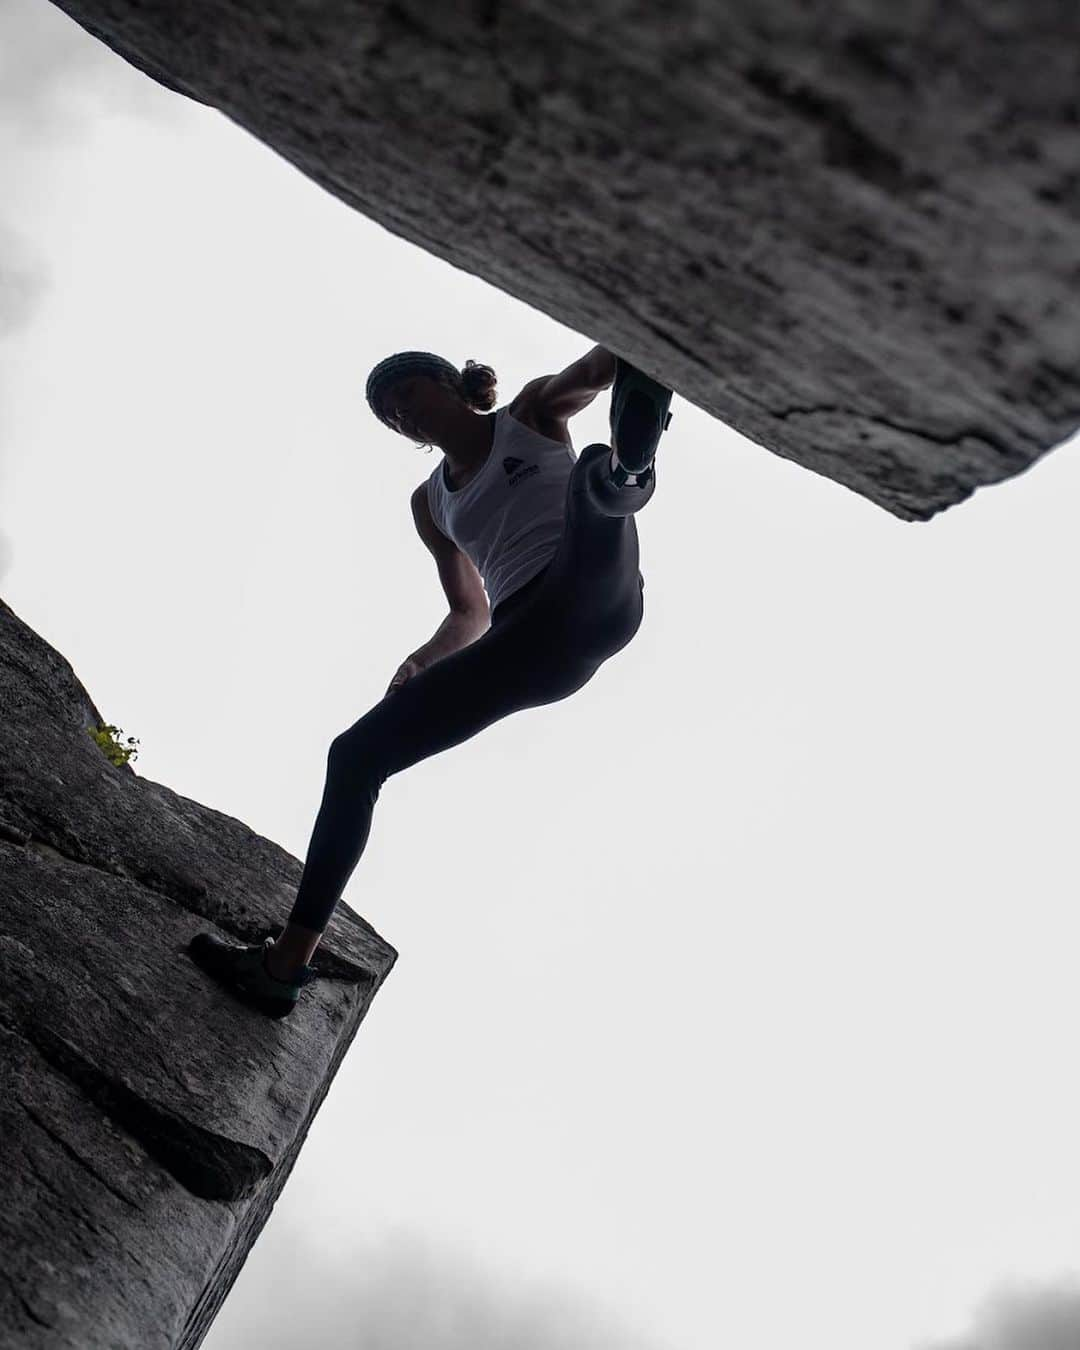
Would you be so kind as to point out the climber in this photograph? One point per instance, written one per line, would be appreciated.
(513, 518)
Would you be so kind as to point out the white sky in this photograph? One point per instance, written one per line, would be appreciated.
(786, 1058)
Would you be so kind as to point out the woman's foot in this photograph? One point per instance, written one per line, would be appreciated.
(639, 417)
(244, 970)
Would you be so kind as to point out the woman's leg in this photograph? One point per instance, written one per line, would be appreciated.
(587, 607)
(446, 704)
(590, 599)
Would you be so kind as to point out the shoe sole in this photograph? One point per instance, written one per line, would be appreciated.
(639, 416)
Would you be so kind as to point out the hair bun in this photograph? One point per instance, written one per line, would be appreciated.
(478, 385)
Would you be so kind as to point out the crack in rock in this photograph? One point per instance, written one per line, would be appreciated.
(34, 1317)
(209, 1165)
(328, 965)
(74, 1153)
(1009, 454)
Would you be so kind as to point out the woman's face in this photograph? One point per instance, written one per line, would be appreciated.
(411, 405)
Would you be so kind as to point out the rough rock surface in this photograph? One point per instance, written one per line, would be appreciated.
(149, 1119)
(849, 229)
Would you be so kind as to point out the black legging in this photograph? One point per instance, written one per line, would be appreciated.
(546, 640)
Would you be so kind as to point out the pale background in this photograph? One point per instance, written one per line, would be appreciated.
(787, 1057)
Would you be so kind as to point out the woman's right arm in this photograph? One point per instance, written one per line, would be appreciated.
(469, 617)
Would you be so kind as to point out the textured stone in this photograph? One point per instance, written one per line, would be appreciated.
(850, 230)
(148, 1118)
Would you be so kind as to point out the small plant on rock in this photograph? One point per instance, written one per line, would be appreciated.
(114, 752)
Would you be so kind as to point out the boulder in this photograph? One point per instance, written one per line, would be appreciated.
(149, 1118)
(849, 230)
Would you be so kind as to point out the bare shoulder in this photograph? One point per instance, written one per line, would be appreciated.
(529, 409)
(426, 525)
(421, 508)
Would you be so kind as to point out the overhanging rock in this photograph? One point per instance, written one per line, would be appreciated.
(849, 230)
(149, 1119)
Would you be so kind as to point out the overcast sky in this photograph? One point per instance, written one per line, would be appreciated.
(790, 1063)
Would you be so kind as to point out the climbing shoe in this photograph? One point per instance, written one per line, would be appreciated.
(639, 416)
(243, 971)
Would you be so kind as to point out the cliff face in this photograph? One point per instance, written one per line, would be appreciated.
(850, 230)
(149, 1120)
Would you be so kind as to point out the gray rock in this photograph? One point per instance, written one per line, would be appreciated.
(148, 1118)
(850, 230)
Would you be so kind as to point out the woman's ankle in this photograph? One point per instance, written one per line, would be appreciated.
(278, 965)
(291, 951)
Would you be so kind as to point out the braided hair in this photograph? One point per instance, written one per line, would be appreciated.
(475, 384)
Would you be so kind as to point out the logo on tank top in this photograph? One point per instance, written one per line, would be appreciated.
(515, 473)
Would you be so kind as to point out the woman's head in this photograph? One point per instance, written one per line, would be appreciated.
(411, 392)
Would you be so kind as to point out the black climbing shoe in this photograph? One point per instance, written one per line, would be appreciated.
(639, 416)
(243, 971)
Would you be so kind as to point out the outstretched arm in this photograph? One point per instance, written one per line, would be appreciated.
(561, 396)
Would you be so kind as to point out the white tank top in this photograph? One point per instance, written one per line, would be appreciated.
(508, 518)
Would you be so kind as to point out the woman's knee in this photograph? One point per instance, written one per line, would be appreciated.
(590, 481)
(353, 757)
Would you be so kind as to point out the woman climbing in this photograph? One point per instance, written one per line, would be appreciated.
(516, 522)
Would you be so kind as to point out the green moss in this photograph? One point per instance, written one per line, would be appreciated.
(114, 752)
